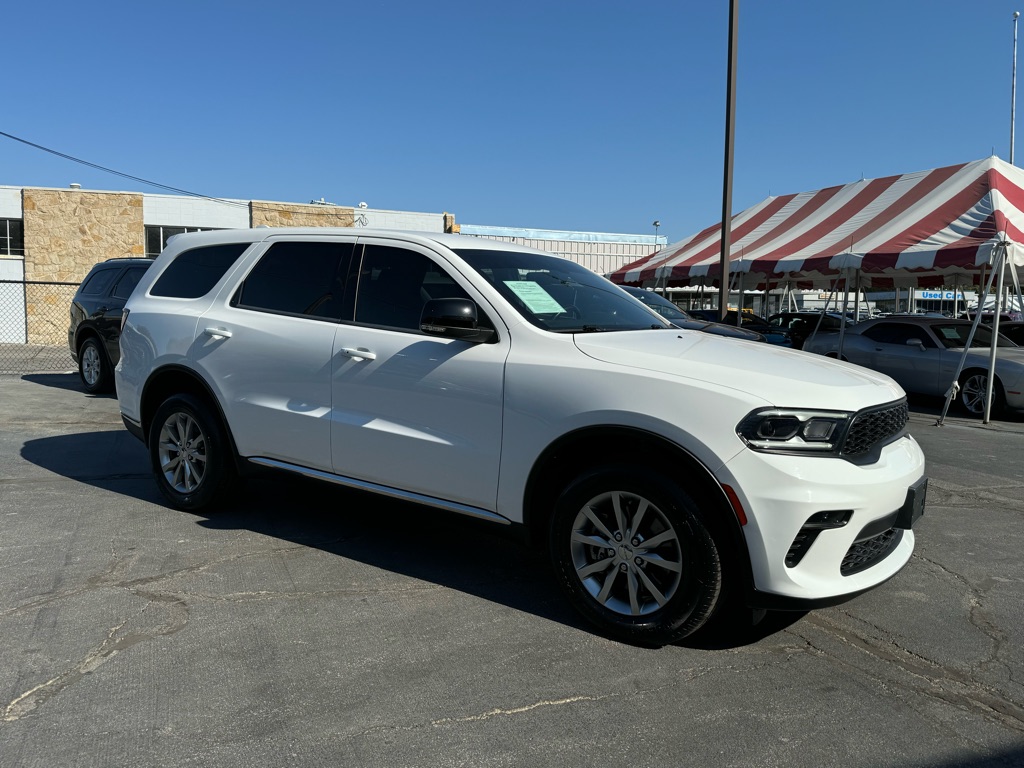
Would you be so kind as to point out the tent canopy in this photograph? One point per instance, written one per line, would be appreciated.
(918, 229)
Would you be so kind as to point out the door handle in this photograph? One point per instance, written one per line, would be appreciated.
(358, 354)
(217, 333)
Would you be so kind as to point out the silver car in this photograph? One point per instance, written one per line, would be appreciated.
(923, 353)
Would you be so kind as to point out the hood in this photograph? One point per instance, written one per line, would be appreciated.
(781, 377)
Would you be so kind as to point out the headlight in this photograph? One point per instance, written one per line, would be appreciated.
(788, 430)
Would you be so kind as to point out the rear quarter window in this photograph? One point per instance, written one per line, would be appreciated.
(193, 273)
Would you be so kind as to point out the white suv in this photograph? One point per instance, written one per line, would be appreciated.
(668, 472)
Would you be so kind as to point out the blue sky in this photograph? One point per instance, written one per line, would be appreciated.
(563, 114)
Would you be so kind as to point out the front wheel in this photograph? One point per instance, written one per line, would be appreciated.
(190, 453)
(973, 390)
(634, 557)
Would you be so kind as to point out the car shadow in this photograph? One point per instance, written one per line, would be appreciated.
(67, 381)
(476, 557)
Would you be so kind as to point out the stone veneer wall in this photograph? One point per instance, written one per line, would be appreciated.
(269, 214)
(66, 232)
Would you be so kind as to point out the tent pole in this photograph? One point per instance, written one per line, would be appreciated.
(994, 346)
(857, 287)
(954, 387)
(831, 293)
(842, 321)
(739, 294)
(1016, 288)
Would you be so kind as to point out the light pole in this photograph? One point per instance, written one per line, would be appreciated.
(1013, 84)
(656, 225)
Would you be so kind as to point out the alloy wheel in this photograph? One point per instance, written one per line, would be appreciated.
(91, 365)
(626, 553)
(182, 452)
(972, 393)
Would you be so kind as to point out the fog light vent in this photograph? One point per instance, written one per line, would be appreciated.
(816, 523)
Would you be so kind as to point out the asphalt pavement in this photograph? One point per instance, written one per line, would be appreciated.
(307, 625)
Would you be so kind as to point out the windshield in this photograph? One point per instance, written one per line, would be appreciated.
(658, 303)
(954, 336)
(559, 295)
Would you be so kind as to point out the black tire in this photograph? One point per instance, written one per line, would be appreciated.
(190, 452)
(94, 368)
(973, 385)
(650, 586)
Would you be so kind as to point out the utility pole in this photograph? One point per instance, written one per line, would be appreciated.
(1013, 83)
(730, 134)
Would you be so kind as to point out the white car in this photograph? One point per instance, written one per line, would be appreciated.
(669, 473)
(923, 354)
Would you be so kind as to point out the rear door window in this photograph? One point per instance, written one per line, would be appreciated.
(306, 279)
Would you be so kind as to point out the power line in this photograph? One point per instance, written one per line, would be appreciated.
(324, 210)
(119, 173)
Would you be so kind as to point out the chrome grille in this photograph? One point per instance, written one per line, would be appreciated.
(873, 429)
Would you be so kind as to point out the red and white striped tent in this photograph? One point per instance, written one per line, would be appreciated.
(929, 228)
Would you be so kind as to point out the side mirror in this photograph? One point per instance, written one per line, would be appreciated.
(453, 319)
(916, 343)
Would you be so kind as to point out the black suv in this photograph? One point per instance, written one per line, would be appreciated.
(95, 328)
(802, 325)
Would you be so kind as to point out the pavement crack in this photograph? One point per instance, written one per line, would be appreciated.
(116, 641)
(977, 614)
(925, 677)
(499, 712)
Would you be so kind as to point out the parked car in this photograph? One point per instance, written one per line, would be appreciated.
(1007, 316)
(1013, 330)
(802, 324)
(680, 319)
(95, 327)
(923, 354)
(668, 475)
(772, 334)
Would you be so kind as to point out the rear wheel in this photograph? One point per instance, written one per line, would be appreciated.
(93, 367)
(190, 453)
(973, 390)
(633, 555)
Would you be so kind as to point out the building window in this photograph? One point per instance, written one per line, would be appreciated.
(12, 237)
(157, 236)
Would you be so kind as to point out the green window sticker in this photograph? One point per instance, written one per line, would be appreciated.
(534, 297)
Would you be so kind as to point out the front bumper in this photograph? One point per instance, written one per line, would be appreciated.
(782, 494)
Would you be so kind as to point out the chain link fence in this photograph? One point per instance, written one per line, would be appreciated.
(34, 319)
